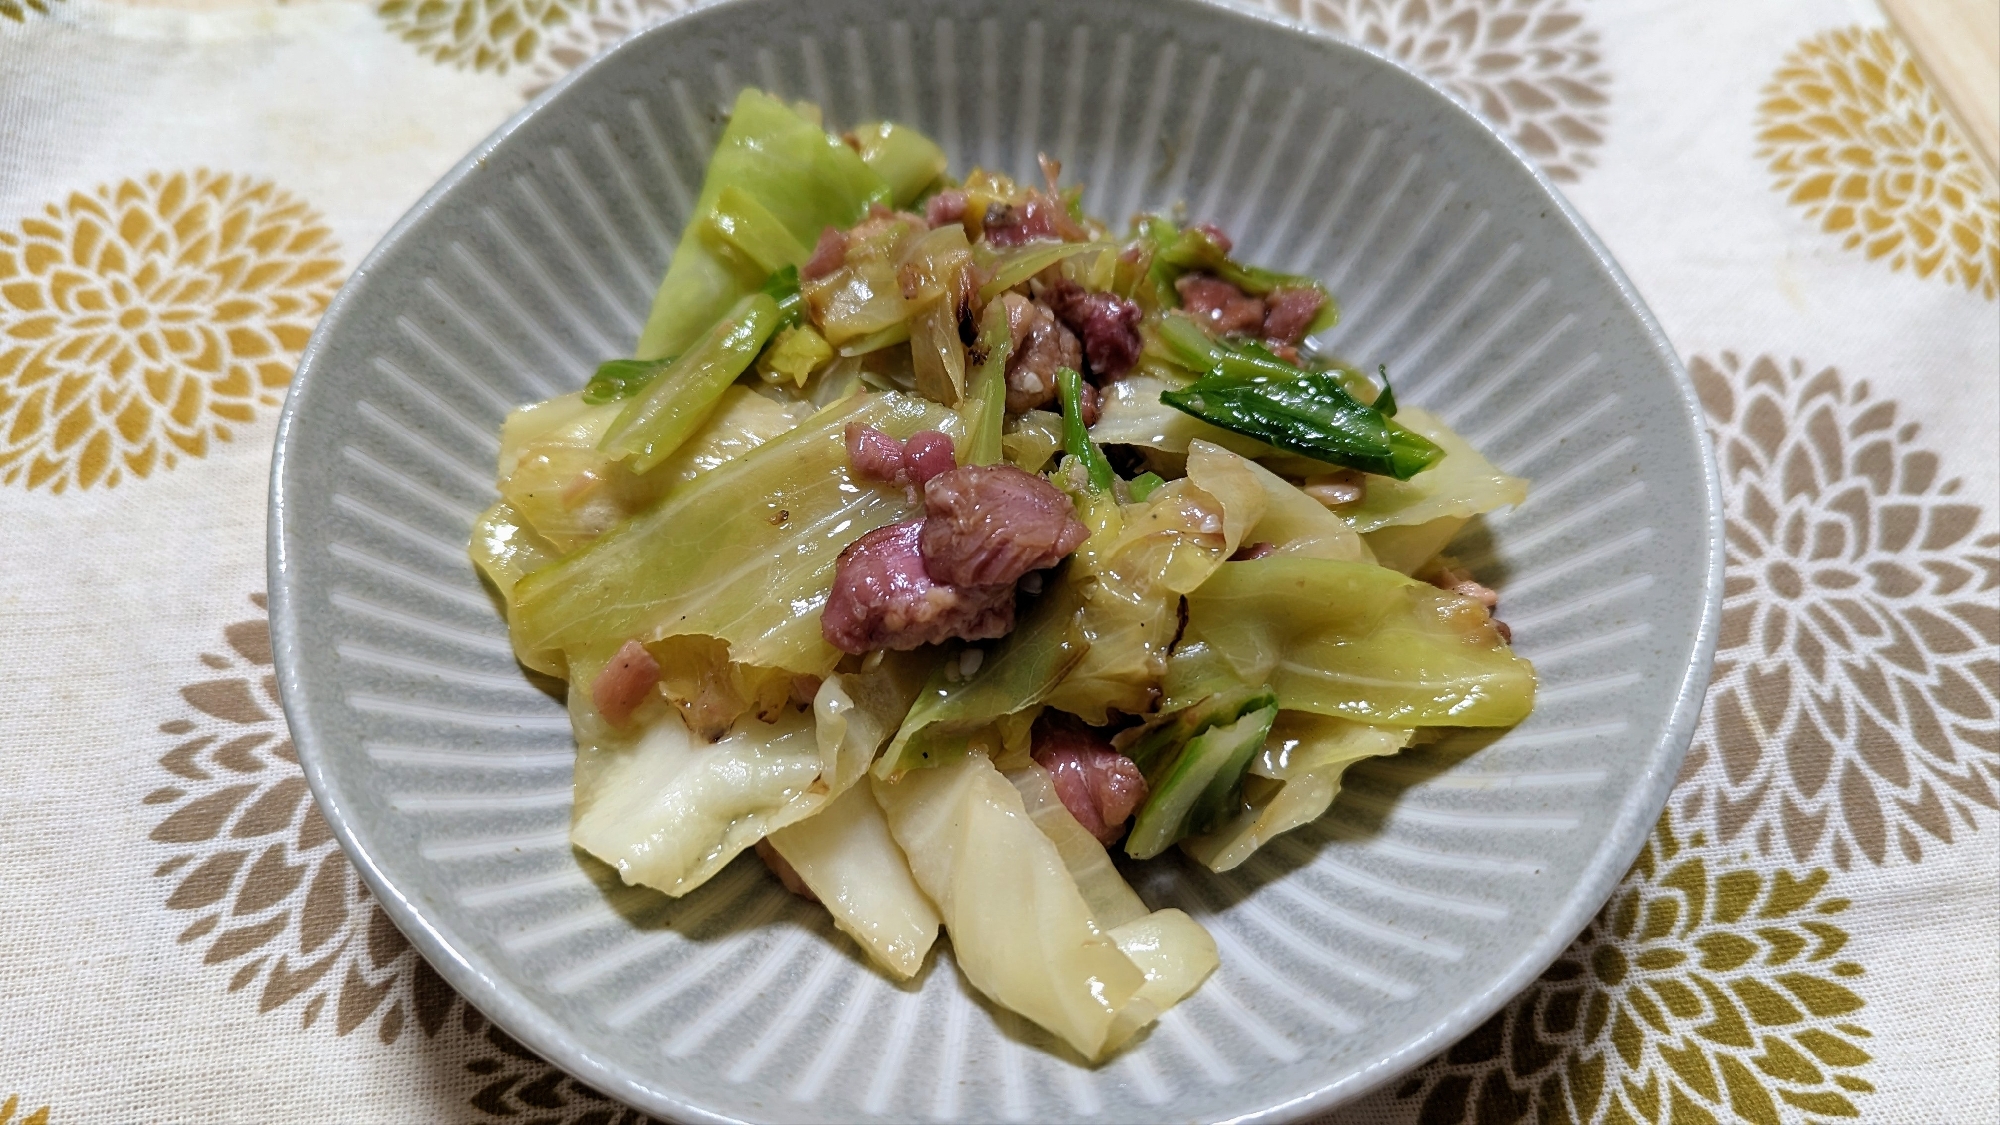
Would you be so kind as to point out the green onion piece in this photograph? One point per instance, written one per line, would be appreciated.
(1076, 436)
(1143, 486)
(615, 379)
(1253, 392)
(1196, 774)
(680, 397)
(1310, 414)
(783, 289)
(985, 405)
(1386, 401)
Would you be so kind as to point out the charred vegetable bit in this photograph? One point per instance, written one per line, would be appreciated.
(1247, 389)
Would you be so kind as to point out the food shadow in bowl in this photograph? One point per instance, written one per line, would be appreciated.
(1441, 882)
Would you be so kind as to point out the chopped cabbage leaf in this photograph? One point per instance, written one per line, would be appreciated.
(1006, 268)
(669, 810)
(985, 406)
(1031, 439)
(563, 420)
(557, 480)
(1407, 548)
(749, 226)
(1360, 642)
(956, 710)
(1133, 570)
(1462, 483)
(744, 553)
(1112, 900)
(1130, 413)
(1175, 953)
(1297, 524)
(796, 173)
(657, 420)
(506, 549)
(857, 301)
(906, 159)
(1020, 930)
(711, 691)
(845, 855)
(792, 356)
(743, 420)
(940, 264)
(1292, 782)
(1172, 949)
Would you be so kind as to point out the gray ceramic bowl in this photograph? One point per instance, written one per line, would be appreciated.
(1444, 879)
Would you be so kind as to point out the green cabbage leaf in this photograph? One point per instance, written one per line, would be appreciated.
(1355, 641)
(744, 552)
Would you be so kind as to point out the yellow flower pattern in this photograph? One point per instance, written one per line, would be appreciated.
(12, 1106)
(484, 35)
(17, 10)
(1707, 990)
(143, 320)
(1858, 140)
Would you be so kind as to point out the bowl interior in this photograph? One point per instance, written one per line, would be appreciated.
(1444, 878)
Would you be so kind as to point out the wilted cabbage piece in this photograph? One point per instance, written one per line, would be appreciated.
(1360, 642)
(793, 171)
(1020, 930)
(1296, 524)
(1031, 438)
(1405, 548)
(506, 549)
(1112, 900)
(669, 810)
(558, 481)
(712, 691)
(940, 264)
(957, 709)
(555, 479)
(1176, 955)
(1292, 782)
(1131, 413)
(1133, 570)
(1461, 484)
(744, 553)
(742, 421)
(906, 160)
(1172, 949)
(847, 857)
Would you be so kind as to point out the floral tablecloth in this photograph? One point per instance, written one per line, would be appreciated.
(1812, 933)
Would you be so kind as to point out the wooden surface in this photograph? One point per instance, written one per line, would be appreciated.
(1957, 42)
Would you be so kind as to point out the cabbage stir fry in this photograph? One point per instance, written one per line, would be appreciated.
(952, 550)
